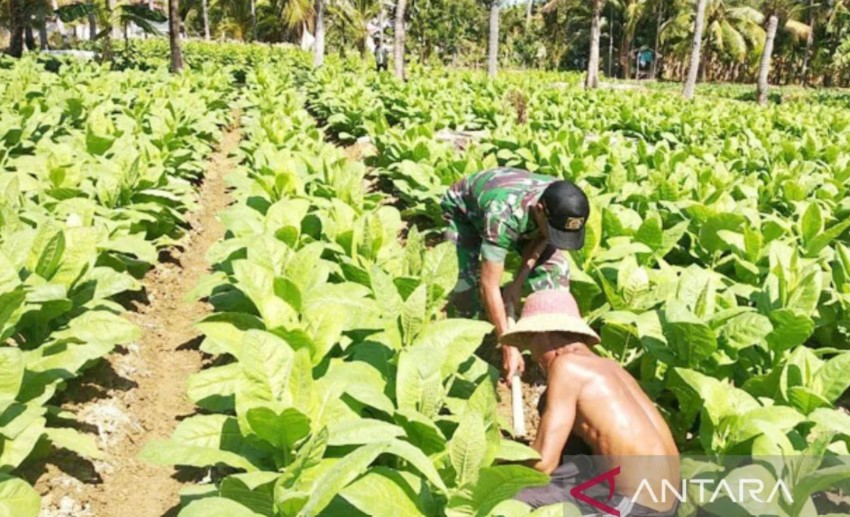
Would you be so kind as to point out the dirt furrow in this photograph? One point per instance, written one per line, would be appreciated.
(140, 394)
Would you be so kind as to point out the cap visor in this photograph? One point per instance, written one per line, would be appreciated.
(566, 240)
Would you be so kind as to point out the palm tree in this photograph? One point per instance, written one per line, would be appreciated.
(774, 9)
(592, 80)
(398, 42)
(493, 40)
(205, 14)
(174, 36)
(319, 44)
(356, 15)
(16, 40)
(693, 69)
(764, 64)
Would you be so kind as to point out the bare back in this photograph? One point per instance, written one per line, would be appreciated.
(605, 406)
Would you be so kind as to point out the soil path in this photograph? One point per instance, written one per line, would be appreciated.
(140, 395)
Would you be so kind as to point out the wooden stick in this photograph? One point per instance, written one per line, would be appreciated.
(517, 402)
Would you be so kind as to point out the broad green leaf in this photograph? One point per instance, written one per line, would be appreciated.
(383, 491)
(362, 431)
(74, 441)
(11, 373)
(833, 378)
(346, 470)
(467, 448)
(17, 498)
(283, 431)
(216, 507)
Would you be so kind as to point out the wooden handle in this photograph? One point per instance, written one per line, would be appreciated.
(517, 406)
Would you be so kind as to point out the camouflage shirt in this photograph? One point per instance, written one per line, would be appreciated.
(497, 204)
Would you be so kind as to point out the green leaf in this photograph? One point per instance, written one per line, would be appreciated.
(11, 373)
(74, 441)
(510, 450)
(383, 491)
(826, 238)
(811, 224)
(362, 431)
(419, 380)
(455, 340)
(745, 330)
(468, 447)
(17, 498)
(216, 507)
(833, 378)
(691, 340)
(283, 431)
(346, 470)
(413, 314)
(496, 484)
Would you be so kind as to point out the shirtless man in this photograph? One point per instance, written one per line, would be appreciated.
(596, 400)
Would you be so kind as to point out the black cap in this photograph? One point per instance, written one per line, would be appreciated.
(567, 209)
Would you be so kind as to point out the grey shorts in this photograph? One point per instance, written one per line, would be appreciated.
(575, 472)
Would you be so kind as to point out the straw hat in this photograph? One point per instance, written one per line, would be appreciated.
(553, 310)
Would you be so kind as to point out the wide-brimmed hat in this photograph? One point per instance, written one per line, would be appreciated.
(553, 310)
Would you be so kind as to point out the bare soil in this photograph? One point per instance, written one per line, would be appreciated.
(139, 393)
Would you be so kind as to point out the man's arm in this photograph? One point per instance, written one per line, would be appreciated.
(491, 294)
(562, 392)
(530, 255)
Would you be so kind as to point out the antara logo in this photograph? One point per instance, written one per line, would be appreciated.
(742, 490)
(578, 491)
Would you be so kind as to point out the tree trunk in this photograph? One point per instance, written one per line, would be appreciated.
(693, 67)
(206, 15)
(398, 42)
(254, 20)
(764, 65)
(319, 43)
(43, 40)
(528, 8)
(592, 80)
(810, 44)
(653, 70)
(29, 37)
(16, 39)
(625, 55)
(174, 36)
(110, 6)
(493, 40)
(92, 24)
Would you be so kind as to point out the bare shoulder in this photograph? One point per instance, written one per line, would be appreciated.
(571, 367)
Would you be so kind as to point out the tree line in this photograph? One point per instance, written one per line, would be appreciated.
(765, 41)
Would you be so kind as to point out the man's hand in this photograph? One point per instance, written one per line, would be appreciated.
(512, 363)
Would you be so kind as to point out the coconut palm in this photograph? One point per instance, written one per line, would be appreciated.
(319, 44)
(774, 9)
(693, 68)
(398, 43)
(592, 80)
(355, 15)
(174, 42)
(731, 33)
(493, 39)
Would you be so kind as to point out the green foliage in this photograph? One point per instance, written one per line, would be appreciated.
(94, 183)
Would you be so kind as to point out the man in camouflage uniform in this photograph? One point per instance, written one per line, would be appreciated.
(493, 212)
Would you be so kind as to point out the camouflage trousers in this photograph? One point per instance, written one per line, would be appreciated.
(551, 271)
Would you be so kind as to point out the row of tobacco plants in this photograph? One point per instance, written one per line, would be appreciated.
(717, 266)
(338, 387)
(96, 175)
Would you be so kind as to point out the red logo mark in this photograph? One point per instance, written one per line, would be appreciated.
(610, 476)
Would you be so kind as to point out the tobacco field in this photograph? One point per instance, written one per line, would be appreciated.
(716, 270)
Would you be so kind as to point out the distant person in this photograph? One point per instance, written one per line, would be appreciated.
(381, 57)
(597, 401)
(493, 212)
